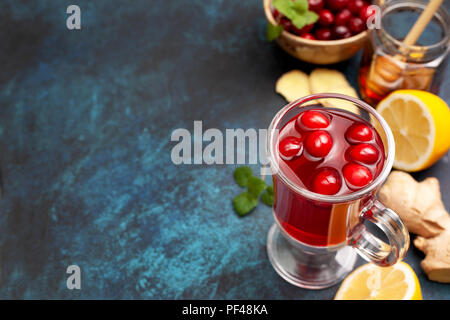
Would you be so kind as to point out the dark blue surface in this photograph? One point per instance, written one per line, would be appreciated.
(85, 126)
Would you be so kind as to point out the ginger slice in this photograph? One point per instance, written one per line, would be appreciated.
(296, 84)
(293, 85)
(437, 261)
(341, 104)
(325, 80)
(332, 81)
(419, 204)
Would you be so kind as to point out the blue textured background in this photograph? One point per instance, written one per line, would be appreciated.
(85, 125)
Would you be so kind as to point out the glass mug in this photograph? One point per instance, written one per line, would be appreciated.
(315, 238)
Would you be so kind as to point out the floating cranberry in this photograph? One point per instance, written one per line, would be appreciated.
(323, 34)
(366, 13)
(326, 18)
(355, 6)
(343, 17)
(341, 32)
(364, 153)
(308, 36)
(318, 143)
(326, 181)
(315, 5)
(356, 25)
(336, 5)
(356, 175)
(358, 132)
(314, 119)
(290, 147)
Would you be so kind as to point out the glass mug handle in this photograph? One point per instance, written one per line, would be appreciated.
(372, 248)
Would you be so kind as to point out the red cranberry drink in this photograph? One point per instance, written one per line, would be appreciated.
(329, 152)
(327, 166)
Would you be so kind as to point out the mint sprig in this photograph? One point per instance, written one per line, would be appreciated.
(255, 186)
(296, 11)
(242, 174)
(273, 32)
(267, 196)
(290, 8)
(245, 202)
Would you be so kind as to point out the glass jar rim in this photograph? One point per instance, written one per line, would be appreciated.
(271, 142)
(389, 6)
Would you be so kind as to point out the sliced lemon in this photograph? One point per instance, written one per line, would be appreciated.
(371, 282)
(420, 122)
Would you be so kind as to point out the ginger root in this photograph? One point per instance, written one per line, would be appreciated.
(419, 204)
(437, 261)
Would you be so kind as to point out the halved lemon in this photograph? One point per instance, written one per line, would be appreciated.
(371, 282)
(420, 122)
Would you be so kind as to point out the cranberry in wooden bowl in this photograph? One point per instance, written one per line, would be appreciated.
(336, 36)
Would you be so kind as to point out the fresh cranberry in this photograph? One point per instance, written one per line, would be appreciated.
(366, 13)
(276, 14)
(364, 153)
(314, 120)
(308, 36)
(343, 17)
(356, 175)
(326, 18)
(358, 132)
(290, 147)
(336, 5)
(318, 143)
(303, 30)
(323, 34)
(356, 25)
(315, 5)
(286, 24)
(355, 6)
(308, 28)
(341, 32)
(326, 181)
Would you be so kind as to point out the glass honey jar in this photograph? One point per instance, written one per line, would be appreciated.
(388, 64)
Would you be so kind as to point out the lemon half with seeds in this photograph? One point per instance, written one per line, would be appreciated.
(371, 282)
(420, 122)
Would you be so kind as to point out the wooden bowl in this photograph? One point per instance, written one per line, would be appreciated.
(317, 51)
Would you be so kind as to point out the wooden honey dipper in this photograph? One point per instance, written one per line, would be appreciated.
(385, 66)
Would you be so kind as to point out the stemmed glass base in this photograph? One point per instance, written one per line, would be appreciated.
(305, 266)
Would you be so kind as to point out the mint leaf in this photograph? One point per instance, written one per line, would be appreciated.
(309, 17)
(247, 201)
(284, 6)
(299, 22)
(255, 186)
(304, 19)
(244, 203)
(267, 197)
(273, 32)
(296, 11)
(300, 5)
(242, 174)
